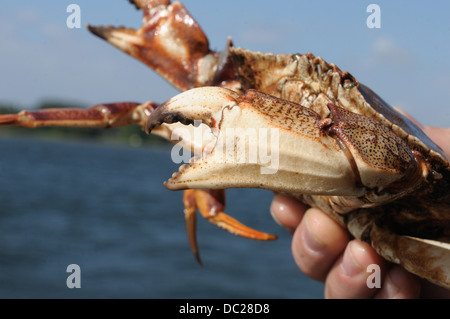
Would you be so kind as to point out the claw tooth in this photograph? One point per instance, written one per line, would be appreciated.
(205, 104)
(195, 159)
(183, 168)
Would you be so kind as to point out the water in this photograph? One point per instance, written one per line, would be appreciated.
(105, 209)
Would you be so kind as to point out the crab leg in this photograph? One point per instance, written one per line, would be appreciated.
(100, 115)
(211, 204)
(434, 261)
(190, 210)
(171, 42)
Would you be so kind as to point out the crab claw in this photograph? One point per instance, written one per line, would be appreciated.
(211, 204)
(170, 41)
(260, 142)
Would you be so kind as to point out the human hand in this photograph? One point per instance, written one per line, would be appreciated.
(324, 251)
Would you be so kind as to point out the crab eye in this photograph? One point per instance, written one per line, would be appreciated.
(296, 56)
(348, 84)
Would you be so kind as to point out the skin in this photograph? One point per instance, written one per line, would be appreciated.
(324, 250)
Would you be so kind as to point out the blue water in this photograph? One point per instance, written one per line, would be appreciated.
(105, 209)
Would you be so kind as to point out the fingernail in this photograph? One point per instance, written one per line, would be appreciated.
(273, 215)
(312, 242)
(352, 253)
(280, 207)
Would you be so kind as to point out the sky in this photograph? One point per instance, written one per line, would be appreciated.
(406, 60)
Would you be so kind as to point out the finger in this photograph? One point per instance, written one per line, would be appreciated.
(317, 242)
(441, 136)
(348, 276)
(287, 212)
(399, 284)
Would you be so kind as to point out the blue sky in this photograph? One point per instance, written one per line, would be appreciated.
(406, 61)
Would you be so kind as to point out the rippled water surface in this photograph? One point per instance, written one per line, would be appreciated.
(105, 209)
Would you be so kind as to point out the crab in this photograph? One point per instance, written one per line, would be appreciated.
(335, 144)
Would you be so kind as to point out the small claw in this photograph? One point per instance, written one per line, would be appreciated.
(190, 210)
(211, 205)
(235, 227)
(170, 41)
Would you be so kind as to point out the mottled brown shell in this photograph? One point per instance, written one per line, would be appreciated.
(312, 82)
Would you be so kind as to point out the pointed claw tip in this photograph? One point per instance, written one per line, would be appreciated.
(197, 257)
(133, 2)
(260, 236)
(99, 31)
(121, 37)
